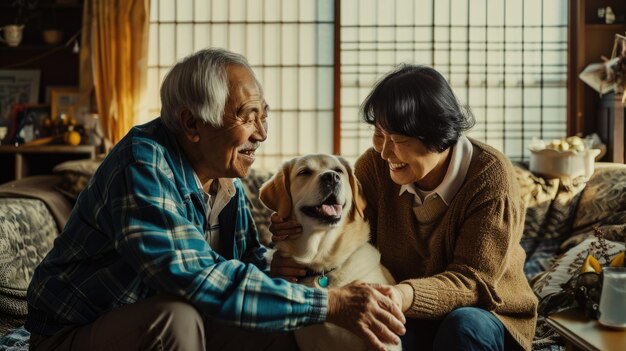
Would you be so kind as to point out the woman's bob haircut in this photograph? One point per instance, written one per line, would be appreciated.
(416, 101)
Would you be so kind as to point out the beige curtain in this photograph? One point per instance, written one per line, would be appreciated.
(113, 61)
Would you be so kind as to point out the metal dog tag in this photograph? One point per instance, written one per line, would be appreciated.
(323, 281)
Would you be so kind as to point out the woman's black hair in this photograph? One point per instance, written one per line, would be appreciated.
(417, 101)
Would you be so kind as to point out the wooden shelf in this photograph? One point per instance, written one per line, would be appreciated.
(589, 41)
(619, 27)
(41, 47)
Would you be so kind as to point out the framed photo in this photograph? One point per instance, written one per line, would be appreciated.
(28, 122)
(33, 123)
(619, 46)
(17, 86)
(63, 100)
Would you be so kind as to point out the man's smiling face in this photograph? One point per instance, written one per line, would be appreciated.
(229, 150)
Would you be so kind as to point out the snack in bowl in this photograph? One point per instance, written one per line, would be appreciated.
(568, 157)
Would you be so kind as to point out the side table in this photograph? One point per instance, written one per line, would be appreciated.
(17, 162)
(581, 333)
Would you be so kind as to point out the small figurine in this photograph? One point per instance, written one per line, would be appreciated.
(609, 16)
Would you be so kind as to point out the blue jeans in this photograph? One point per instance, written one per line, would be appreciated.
(466, 328)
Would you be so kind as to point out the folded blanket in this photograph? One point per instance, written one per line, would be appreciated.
(42, 188)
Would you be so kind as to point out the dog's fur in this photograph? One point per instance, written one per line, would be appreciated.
(322, 194)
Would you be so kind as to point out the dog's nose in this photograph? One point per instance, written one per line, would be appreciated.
(330, 178)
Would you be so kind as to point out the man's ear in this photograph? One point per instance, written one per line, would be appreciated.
(189, 124)
(275, 193)
(358, 200)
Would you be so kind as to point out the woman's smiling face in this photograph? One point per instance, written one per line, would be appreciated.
(410, 161)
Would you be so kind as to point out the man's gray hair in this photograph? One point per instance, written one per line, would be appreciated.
(200, 83)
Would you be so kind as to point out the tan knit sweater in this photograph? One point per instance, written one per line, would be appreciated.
(467, 254)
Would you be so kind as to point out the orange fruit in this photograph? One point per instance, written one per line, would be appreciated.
(591, 264)
(72, 138)
(618, 261)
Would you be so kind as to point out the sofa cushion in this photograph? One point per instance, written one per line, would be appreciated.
(27, 231)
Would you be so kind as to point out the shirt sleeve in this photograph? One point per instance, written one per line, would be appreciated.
(170, 254)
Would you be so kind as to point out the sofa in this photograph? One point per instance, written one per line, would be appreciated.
(561, 216)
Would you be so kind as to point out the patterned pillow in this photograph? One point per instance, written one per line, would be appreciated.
(567, 264)
(603, 198)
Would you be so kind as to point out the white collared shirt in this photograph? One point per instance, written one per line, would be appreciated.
(215, 205)
(452, 181)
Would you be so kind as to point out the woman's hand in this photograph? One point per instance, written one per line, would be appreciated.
(282, 229)
(365, 310)
(402, 295)
(286, 268)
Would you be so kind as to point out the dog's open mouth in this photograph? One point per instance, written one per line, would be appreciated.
(329, 211)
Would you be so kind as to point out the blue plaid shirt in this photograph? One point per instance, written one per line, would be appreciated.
(138, 229)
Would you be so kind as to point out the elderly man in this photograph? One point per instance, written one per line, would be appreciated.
(160, 251)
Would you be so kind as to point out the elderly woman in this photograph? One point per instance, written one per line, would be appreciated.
(445, 214)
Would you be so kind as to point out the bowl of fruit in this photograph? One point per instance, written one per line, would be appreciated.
(569, 157)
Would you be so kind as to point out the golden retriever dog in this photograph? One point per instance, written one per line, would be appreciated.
(321, 192)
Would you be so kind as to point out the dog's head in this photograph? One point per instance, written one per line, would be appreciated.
(319, 191)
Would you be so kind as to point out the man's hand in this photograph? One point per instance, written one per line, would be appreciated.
(282, 229)
(286, 268)
(362, 309)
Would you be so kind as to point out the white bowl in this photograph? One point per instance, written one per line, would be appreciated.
(557, 164)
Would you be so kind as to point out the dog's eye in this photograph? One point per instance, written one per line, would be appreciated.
(338, 170)
(305, 171)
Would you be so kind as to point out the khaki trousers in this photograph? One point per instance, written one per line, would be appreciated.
(159, 323)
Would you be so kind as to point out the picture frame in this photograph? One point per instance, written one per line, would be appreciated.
(32, 122)
(17, 86)
(619, 46)
(28, 122)
(63, 100)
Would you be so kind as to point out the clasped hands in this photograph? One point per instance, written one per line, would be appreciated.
(372, 311)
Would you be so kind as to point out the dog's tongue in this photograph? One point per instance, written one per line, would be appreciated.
(331, 210)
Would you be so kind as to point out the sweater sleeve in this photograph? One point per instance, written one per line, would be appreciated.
(484, 241)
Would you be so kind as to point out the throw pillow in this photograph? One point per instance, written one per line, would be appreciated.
(75, 176)
(603, 205)
(567, 264)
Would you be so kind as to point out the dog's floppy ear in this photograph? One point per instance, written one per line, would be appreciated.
(358, 200)
(275, 193)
